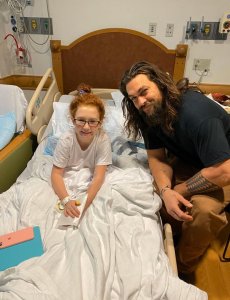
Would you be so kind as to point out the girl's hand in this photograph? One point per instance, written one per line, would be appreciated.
(71, 209)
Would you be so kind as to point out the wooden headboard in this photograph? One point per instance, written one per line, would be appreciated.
(100, 58)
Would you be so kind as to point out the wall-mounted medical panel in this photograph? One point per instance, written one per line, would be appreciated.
(36, 25)
(198, 30)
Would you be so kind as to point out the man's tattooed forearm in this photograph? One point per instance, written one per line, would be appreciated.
(198, 183)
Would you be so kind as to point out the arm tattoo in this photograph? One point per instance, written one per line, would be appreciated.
(198, 183)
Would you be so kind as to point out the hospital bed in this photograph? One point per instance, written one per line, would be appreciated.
(119, 249)
(16, 141)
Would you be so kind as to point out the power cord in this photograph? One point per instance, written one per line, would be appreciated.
(201, 74)
(20, 51)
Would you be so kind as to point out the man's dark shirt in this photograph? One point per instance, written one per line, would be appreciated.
(202, 132)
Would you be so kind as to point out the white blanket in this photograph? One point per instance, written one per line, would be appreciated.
(115, 253)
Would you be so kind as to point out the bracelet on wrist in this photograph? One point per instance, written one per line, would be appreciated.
(61, 203)
(167, 187)
(65, 200)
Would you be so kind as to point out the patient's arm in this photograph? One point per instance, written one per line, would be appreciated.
(60, 189)
(58, 182)
(96, 183)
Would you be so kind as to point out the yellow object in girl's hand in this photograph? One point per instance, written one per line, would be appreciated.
(77, 202)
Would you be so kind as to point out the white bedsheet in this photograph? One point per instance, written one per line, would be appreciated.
(115, 253)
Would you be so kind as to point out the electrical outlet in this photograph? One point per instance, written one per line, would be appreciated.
(152, 29)
(169, 30)
(201, 64)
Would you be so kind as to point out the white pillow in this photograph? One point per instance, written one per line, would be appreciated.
(66, 98)
(117, 97)
(114, 119)
(113, 123)
(13, 100)
(61, 119)
(7, 128)
(51, 143)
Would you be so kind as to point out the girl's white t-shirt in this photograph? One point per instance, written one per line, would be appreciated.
(69, 155)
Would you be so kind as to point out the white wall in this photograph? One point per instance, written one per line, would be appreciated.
(73, 18)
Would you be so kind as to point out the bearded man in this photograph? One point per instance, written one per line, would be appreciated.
(187, 138)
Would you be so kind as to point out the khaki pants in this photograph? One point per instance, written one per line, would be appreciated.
(209, 219)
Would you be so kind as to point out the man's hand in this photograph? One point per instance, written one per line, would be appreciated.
(174, 202)
(71, 209)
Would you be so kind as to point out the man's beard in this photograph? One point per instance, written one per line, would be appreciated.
(156, 118)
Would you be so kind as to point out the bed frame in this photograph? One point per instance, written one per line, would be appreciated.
(19, 150)
(14, 158)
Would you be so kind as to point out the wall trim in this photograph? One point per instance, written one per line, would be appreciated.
(208, 88)
(25, 82)
(30, 82)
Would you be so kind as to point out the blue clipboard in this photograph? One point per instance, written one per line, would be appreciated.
(20, 245)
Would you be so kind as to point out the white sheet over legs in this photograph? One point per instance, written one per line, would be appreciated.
(115, 253)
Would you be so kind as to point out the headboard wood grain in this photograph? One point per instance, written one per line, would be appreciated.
(100, 58)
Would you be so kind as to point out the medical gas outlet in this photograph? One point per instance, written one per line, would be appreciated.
(202, 30)
(36, 25)
(224, 26)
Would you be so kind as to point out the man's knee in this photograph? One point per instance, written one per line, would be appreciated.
(213, 202)
(208, 214)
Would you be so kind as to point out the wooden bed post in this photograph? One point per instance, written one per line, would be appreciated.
(55, 46)
(181, 52)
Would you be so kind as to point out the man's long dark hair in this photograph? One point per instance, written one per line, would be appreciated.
(135, 123)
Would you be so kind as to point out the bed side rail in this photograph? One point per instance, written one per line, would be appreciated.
(40, 109)
(169, 247)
